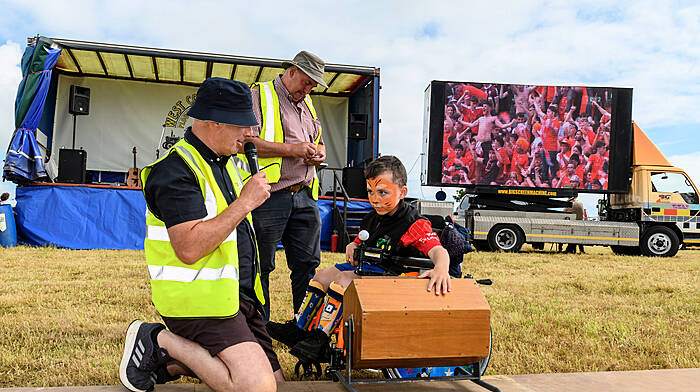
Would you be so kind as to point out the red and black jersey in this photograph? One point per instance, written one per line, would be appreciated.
(407, 232)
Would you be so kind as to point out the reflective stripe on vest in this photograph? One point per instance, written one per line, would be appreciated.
(270, 114)
(209, 287)
(160, 233)
(267, 96)
(180, 274)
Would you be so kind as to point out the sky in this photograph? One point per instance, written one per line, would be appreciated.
(651, 46)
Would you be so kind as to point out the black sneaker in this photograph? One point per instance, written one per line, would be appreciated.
(315, 348)
(288, 333)
(142, 356)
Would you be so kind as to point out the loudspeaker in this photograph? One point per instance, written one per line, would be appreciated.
(79, 102)
(71, 166)
(357, 127)
(354, 182)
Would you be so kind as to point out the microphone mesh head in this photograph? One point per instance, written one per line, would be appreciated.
(364, 235)
(250, 147)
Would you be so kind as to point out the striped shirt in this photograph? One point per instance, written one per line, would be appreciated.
(299, 126)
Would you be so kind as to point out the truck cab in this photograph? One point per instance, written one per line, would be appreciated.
(662, 199)
(665, 203)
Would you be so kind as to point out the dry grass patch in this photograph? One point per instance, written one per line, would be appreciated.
(63, 313)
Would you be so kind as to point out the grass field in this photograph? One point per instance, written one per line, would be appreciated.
(63, 313)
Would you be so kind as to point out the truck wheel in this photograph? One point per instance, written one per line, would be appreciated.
(626, 250)
(481, 245)
(659, 241)
(507, 238)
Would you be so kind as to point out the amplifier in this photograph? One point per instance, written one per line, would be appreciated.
(354, 182)
(71, 166)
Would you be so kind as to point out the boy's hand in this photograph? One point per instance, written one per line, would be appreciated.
(439, 278)
(350, 254)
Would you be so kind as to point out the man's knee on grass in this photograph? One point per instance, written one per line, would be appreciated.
(248, 369)
(256, 383)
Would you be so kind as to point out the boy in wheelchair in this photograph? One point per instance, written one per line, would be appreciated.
(395, 226)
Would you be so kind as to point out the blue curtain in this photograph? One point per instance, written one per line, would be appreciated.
(24, 162)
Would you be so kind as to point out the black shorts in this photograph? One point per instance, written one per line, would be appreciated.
(217, 334)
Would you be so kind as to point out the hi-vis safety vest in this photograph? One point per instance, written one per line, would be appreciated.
(271, 131)
(209, 287)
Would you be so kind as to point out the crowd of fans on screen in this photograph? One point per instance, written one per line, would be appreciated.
(526, 136)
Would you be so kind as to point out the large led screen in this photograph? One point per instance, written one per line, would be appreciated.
(528, 136)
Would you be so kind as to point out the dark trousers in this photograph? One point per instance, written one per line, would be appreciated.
(293, 219)
(552, 163)
(571, 248)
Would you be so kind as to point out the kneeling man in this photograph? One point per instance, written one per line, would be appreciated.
(202, 257)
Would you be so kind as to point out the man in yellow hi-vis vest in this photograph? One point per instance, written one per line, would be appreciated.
(290, 146)
(202, 257)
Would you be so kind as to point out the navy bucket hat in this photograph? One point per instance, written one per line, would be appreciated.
(224, 101)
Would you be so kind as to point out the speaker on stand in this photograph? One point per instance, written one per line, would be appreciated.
(78, 104)
(71, 162)
(357, 126)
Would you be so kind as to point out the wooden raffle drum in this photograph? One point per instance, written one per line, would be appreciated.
(398, 323)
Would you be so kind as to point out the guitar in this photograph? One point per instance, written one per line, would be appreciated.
(134, 177)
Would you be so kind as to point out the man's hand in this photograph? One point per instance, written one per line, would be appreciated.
(304, 150)
(318, 158)
(255, 191)
(350, 254)
(439, 278)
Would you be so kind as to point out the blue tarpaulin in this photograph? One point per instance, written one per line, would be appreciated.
(81, 217)
(23, 162)
(325, 208)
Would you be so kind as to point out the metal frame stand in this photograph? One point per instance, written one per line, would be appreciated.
(74, 119)
(348, 383)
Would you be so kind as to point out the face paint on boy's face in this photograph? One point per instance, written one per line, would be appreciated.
(383, 193)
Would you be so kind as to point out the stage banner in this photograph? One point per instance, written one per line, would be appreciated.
(128, 114)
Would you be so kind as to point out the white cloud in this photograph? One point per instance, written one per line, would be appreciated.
(10, 76)
(690, 164)
(651, 46)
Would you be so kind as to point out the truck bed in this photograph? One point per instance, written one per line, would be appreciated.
(555, 228)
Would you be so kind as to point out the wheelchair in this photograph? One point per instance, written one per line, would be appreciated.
(339, 355)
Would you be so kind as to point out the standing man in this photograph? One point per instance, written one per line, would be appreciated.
(202, 257)
(576, 208)
(487, 124)
(290, 147)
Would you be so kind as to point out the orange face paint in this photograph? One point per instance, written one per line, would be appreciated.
(383, 193)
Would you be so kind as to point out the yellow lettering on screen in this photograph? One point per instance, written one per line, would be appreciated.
(526, 192)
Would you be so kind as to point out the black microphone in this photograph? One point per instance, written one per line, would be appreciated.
(251, 153)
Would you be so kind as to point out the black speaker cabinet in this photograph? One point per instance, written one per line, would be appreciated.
(79, 102)
(354, 182)
(71, 166)
(357, 128)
